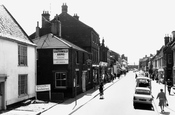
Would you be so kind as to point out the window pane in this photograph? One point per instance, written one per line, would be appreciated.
(22, 55)
(60, 79)
(22, 84)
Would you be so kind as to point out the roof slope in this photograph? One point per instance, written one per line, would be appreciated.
(10, 29)
(51, 41)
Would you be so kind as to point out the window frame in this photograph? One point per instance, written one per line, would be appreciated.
(22, 55)
(65, 79)
(22, 86)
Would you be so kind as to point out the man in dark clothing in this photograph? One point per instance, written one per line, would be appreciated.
(169, 84)
(101, 90)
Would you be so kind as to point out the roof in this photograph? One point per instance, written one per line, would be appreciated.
(10, 29)
(51, 41)
(65, 17)
(143, 77)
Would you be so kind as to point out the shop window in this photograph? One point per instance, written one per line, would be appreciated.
(22, 84)
(60, 79)
(22, 55)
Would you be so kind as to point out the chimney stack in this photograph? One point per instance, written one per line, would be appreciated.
(37, 33)
(64, 8)
(45, 19)
(166, 39)
(173, 34)
(56, 26)
(76, 16)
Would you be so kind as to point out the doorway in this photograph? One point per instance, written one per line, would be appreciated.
(84, 75)
(1, 95)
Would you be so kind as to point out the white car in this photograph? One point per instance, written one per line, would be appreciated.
(142, 95)
(142, 81)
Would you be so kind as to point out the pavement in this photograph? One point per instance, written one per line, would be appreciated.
(170, 109)
(71, 105)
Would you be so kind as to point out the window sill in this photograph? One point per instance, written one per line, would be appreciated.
(22, 95)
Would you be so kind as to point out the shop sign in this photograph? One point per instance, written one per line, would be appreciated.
(45, 87)
(60, 56)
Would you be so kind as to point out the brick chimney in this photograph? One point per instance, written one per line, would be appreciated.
(64, 8)
(76, 16)
(37, 33)
(56, 26)
(166, 39)
(45, 19)
(173, 35)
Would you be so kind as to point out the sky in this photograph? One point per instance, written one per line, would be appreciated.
(135, 28)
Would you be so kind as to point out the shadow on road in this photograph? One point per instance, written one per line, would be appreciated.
(144, 107)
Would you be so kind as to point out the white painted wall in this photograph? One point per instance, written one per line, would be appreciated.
(9, 66)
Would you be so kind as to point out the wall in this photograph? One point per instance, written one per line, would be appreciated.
(9, 66)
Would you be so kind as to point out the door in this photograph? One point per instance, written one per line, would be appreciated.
(1, 95)
(84, 81)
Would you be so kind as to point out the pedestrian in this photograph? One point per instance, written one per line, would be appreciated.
(169, 84)
(101, 90)
(95, 81)
(162, 100)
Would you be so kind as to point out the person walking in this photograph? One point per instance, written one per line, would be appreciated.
(101, 90)
(162, 100)
(169, 84)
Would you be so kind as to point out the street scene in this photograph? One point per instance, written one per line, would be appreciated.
(118, 99)
(87, 58)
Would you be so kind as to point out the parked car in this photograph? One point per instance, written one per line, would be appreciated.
(143, 96)
(142, 81)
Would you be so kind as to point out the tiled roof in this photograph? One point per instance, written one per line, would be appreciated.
(51, 41)
(10, 29)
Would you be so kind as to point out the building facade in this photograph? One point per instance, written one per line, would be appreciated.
(63, 65)
(17, 62)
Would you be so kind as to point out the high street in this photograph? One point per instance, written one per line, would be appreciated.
(118, 100)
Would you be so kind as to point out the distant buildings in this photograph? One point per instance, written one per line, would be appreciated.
(162, 63)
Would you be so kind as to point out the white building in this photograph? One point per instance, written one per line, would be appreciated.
(17, 62)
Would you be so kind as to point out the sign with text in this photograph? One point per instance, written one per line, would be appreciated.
(60, 56)
(45, 87)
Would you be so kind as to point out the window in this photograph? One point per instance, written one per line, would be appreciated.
(22, 55)
(22, 84)
(78, 78)
(169, 59)
(60, 79)
(84, 58)
(77, 57)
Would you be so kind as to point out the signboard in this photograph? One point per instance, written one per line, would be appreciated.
(103, 64)
(45, 87)
(60, 56)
